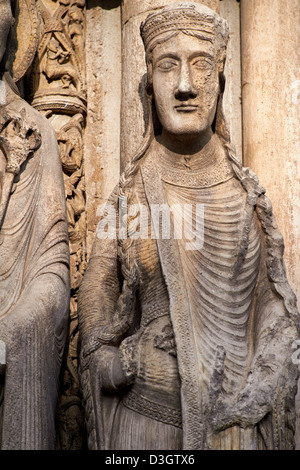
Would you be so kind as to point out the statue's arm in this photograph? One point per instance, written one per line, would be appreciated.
(101, 284)
(99, 297)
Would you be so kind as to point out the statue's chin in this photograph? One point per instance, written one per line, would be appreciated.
(187, 133)
(187, 125)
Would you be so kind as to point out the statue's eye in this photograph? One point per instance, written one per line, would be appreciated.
(202, 63)
(166, 65)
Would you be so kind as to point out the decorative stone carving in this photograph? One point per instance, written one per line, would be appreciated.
(34, 254)
(58, 69)
(58, 90)
(187, 335)
(23, 42)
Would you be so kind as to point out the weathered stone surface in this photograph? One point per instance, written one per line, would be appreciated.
(102, 135)
(271, 112)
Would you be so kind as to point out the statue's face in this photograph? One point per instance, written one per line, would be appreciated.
(5, 24)
(185, 76)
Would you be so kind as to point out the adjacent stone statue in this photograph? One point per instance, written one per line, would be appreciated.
(187, 333)
(34, 263)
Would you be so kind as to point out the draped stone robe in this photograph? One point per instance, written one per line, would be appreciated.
(190, 303)
(34, 289)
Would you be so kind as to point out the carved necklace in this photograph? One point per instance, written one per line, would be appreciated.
(191, 176)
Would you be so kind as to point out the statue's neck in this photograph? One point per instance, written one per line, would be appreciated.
(194, 156)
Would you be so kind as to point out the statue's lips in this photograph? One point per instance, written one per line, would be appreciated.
(185, 108)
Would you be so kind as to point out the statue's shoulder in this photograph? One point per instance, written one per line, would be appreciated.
(14, 103)
(34, 116)
(39, 136)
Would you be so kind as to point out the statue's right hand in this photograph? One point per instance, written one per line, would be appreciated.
(111, 372)
(129, 355)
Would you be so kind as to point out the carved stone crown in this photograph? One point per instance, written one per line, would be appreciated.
(184, 16)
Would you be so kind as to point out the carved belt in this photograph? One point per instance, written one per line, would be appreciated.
(152, 312)
(157, 411)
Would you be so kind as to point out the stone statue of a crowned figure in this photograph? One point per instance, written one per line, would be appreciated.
(187, 334)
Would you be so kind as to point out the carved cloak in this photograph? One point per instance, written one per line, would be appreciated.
(34, 290)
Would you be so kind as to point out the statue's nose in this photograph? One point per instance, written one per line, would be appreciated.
(185, 88)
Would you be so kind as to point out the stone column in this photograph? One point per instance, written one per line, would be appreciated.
(134, 70)
(102, 136)
(230, 10)
(271, 112)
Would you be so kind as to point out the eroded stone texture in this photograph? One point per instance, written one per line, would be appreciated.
(34, 253)
(187, 341)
